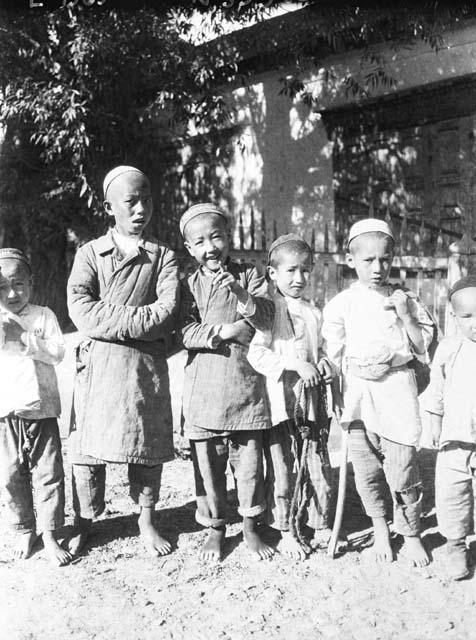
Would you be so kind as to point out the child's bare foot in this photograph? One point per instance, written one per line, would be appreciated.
(26, 542)
(155, 544)
(253, 540)
(414, 551)
(55, 551)
(77, 542)
(290, 546)
(382, 547)
(213, 547)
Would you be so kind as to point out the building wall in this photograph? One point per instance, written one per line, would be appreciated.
(283, 170)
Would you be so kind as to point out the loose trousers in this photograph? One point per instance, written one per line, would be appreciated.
(89, 485)
(31, 463)
(377, 462)
(210, 457)
(454, 489)
(281, 476)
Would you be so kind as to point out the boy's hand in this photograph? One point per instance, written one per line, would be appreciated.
(226, 279)
(240, 331)
(13, 331)
(307, 372)
(325, 369)
(400, 302)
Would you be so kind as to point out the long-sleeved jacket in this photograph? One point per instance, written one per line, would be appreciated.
(222, 392)
(125, 308)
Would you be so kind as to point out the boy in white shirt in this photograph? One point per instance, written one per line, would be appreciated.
(372, 331)
(288, 355)
(450, 400)
(30, 445)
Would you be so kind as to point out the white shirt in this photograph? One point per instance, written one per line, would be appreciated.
(28, 384)
(357, 325)
(452, 389)
(295, 335)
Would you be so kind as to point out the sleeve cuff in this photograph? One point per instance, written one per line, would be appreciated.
(214, 337)
(248, 309)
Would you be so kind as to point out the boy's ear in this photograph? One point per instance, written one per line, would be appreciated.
(271, 271)
(187, 246)
(349, 260)
(108, 208)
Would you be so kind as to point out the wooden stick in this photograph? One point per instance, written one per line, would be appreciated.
(331, 549)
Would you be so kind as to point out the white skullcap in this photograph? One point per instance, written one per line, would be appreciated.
(369, 225)
(199, 210)
(115, 173)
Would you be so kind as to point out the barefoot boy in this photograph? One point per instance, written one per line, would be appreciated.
(122, 295)
(373, 330)
(451, 401)
(287, 353)
(224, 401)
(30, 445)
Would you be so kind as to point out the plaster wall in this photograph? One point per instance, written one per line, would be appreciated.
(283, 167)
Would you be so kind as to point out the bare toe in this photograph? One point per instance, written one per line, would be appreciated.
(25, 545)
(213, 547)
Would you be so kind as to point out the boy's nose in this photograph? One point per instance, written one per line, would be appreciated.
(376, 266)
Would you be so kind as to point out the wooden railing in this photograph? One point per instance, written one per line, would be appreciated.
(441, 257)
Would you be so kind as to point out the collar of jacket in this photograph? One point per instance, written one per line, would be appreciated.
(105, 244)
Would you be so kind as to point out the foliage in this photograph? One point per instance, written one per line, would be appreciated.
(90, 84)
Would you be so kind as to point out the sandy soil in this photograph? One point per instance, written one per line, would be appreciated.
(115, 591)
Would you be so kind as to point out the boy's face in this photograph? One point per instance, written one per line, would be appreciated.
(15, 285)
(206, 239)
(291, 273)
(129, 202)
(463, 303)
(371, 256)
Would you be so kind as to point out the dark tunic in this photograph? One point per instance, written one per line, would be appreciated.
(222, 392)
(125, 308)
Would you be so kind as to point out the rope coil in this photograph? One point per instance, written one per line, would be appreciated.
(303, 433)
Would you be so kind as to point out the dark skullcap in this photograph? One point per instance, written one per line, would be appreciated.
(10, 253)
(289, 237)
(463, 283)
(203, 208)
(115, 173)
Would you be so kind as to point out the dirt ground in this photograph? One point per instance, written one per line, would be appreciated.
(115, 591)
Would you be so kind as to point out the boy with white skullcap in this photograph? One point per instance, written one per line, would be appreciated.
(122, 296)
(225, 409)
(31, 464)
(373, 330)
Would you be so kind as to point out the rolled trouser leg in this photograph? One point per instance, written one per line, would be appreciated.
(454, 493)
(144, 483)
(210, 458)
(403, 477)
(364, 450)
(89, 486)
(246, 459)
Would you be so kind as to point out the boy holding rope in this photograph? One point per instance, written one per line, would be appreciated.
(373, 330)
(289, 355)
